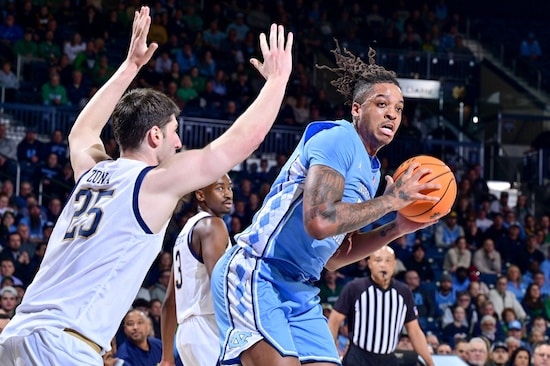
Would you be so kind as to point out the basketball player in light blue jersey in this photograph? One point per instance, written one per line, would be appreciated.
(113, 224)
(188, 302)
(266, 303)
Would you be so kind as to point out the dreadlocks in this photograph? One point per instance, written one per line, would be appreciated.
(354, 76)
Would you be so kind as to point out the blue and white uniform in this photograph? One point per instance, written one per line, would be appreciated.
(99, 246)
(264, 286)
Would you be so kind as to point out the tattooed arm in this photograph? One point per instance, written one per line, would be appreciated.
(326, 215)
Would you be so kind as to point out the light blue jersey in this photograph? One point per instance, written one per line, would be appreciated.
(263, 288)
(277, 232)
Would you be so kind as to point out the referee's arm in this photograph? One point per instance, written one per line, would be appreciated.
(334, 321)
(418, 340)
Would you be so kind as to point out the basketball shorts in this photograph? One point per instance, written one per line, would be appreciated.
(254, 301)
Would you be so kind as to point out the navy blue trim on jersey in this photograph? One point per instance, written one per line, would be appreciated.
(190, 243)
(76, 185)
(316, 127)
(135, 206)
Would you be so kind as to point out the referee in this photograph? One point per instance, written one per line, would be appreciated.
(377, 307)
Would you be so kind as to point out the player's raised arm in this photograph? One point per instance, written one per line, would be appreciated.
(245, 134)
(86, 147)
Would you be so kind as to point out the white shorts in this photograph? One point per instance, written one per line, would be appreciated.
(197, 341)
(47, 347)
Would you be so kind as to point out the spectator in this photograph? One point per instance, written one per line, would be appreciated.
(478, 352)
(91, 23)
(53, 93)
(220, 83)
(516, 330)
(503, 298)
(198, 80)
(540, 279)
(473, 234)
(486, 259)
(139, 348)
(500, 205)
(157, 31)
(444, 349)
(482, 221)
(73, 47)
(499, 354)
(515, 283)
(418, 262)
(457, 256)
(456, 329)
(8, 80)
(29, 154)
(163, 64)
(7, 270)
(158, 290)
(214, 37)
(172, 93)
(35, 223)
(207, 65)
(240, 27)
(520, 357)
(530, 48)
(155, 308)
(57, 146)
(48, 49)
(193, 20)
(9, 299)
(461, 349)
(8, 147)
(529, 253)
(445, 295)
(448, 231)
(102, 71)
(86, 60)
(10, 31)
(330, 288)
(186, 92)
(26, 47)
(533, 304)
(77, 90)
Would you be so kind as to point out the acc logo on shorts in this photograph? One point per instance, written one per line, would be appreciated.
(239, 339)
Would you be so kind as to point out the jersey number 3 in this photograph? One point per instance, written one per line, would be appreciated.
(88, 212)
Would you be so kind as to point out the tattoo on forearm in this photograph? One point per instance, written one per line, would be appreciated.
(325, 195)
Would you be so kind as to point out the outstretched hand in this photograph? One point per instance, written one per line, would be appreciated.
(277, 56)
(139, 53)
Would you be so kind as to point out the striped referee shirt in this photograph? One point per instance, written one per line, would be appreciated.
(376, 316)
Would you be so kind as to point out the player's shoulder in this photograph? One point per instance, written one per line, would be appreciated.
(335, 127)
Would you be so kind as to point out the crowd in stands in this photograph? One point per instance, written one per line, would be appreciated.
(482, 271)
(70, 50)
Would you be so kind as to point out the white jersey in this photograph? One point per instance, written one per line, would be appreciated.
(97, 257)
(191, 280)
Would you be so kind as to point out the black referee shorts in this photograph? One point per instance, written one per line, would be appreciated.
(359, 357)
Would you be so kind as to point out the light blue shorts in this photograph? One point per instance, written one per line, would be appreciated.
(253, 300)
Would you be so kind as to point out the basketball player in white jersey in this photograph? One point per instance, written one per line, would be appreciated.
(201, 242)
(113, 224)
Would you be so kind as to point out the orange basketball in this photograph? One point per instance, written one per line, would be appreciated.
(425, 211)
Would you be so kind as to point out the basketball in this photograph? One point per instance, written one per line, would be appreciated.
(425, 211)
